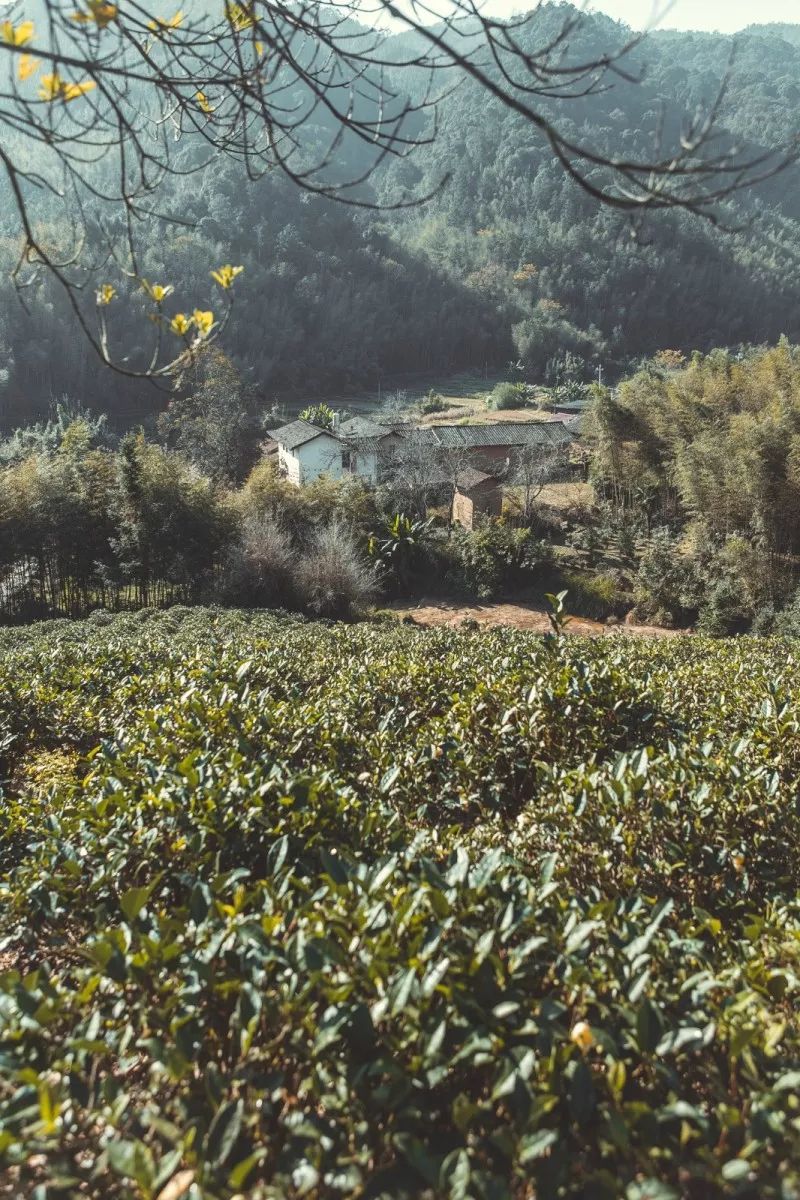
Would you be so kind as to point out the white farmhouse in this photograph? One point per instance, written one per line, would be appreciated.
(305, 452)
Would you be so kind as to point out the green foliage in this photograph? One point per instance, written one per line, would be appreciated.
(433, 403)
(597, 595)
(321, 415)
(668, 587)
(212, 420)
(379, 911)
(711, 451)
(495, 558)
(401, 551)
(508, 395)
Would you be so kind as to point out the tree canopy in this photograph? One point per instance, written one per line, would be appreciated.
(103, 103)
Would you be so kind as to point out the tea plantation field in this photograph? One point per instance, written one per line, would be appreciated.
(302, 910)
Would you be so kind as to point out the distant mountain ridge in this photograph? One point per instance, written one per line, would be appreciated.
(510, 260)
(785, 31)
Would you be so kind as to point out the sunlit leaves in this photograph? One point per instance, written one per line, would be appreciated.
(180, 324)
(240, 16)
(529, 958)
(105, 294)
(53, 87)
(226, 275)
(98, 12)
(581, 1034)
(17, 35)
(162, 26)
(526, 273)
(27, 66)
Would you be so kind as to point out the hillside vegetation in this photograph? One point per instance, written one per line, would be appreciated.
(313, 910)
(509, 260)
(706, 457)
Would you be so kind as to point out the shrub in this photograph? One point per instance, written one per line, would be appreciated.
(724, 612)
(668, 587)
(433, 403)
(334, 578)
(495, 558)
(261, 570)
(321, 415)
(400, 552)
(508, 395)
(598, 595)
(786, 623)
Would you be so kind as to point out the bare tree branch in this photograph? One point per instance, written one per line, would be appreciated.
(117, 98)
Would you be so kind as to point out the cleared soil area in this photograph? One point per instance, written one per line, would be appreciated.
(520, 616)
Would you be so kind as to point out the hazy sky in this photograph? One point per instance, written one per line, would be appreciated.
(725, 15)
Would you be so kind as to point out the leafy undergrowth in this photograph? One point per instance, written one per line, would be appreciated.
(302, 910)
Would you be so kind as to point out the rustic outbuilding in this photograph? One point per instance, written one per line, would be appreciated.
(476, 494)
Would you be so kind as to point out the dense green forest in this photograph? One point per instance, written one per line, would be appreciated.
(508, 259)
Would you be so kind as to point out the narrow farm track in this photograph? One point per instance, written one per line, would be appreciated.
(529, 617)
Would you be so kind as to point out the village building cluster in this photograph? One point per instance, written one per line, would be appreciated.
(472, 463)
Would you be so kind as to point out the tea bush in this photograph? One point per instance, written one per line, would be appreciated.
(295, 909)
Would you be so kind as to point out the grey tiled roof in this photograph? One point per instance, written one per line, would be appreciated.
(366, 445)
(424, 435)
(297, 433)
(361, 427)
(470, 478)
(502, 433)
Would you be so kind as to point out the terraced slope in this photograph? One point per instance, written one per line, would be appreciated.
(302, 910)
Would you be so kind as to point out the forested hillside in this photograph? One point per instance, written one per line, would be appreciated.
(509, 258)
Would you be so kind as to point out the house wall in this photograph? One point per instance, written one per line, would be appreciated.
(463, 509)
(489, 502)
(365, 466)
(289, 465)
(322, 456)
(486, 457)
(486, 499)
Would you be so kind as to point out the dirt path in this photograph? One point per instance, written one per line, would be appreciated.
(518, 616)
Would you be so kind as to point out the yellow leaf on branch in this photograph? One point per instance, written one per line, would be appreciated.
(16, 35)
(204, 321)
(225, 276)
(162, 25)
(202, 102)
(240, 16)
(27, 66)
(53, 87)
(157, 291)
(71, 91)
(106, 293)
(101, 13)
(180, 324)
